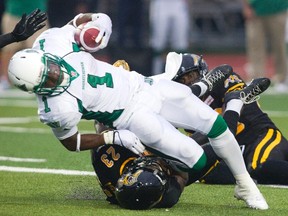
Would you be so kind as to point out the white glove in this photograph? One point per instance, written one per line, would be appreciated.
(104, 24)
(126, 139)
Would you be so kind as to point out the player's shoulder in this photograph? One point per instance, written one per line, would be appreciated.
(56, 40)
(56, 30)
(57, 109)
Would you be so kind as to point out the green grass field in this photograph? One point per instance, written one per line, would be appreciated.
(27, 192)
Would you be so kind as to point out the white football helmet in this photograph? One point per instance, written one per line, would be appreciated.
(42, 73)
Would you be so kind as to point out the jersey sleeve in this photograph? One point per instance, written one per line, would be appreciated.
(47, 40)
(68, 126)
(61, 114)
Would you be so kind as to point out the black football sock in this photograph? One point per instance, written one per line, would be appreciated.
(231, 117)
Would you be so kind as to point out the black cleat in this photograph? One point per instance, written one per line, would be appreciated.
(215, 77)
(250, 93)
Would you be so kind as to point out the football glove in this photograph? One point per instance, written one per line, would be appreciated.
(104, 23)
(29, 24)
(124, 138)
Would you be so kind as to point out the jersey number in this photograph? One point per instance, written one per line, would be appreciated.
(115, 156)
(96, 80)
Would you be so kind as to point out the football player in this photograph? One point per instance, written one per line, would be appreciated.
(264, 147)
(70, 85)
(113, 164)
(26, 27)
(143, 182)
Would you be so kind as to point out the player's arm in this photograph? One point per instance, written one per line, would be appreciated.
(80, 19)
(27, 26)
(99, 20)
(80, 142)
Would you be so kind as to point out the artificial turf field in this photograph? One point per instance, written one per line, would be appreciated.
(36, 176)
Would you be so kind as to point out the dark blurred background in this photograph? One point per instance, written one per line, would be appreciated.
(217, 27)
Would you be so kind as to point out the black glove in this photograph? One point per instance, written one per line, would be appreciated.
(28, 25)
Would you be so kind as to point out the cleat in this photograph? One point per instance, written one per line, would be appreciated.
(252, 196)
(250, 93)
(213, 78)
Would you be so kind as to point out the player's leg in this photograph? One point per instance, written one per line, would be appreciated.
(162, 138)
(184, 110)
(267, 158)
(187, 111)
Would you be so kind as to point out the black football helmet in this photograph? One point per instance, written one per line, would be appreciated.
(191, 63)
(142, 185)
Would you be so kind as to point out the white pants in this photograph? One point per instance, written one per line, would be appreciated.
(155, 112)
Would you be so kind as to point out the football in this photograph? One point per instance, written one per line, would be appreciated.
(85, 36)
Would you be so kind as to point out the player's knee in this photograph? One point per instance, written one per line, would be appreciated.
(198, 166)
(218, 127)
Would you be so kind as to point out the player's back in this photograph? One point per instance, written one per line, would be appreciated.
(109, 162)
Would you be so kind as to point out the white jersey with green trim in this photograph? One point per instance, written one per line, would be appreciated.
(152, 112)
(101, 91)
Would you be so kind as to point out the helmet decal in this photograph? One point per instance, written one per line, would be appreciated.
(23, 87)
(191, 63)
(142, 184)
(131, 179)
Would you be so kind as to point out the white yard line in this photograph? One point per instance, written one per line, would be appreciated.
(76, 172)
(16, 93)
(14, 159)
(48, 171)
(16, 120)
(24, 130)
(18, 103)
(33, 130)
(276, 113)
(276, 186)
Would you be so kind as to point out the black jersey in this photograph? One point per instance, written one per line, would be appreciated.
(264, 146)
(252, 119)
(109, 162)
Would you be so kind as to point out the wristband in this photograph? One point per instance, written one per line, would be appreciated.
(108, 137)
(78, 142)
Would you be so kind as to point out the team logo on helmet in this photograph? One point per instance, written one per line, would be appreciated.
(129, 180)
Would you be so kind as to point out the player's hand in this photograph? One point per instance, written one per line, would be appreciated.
(126, 139)
(29, 24)
(104, 23)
